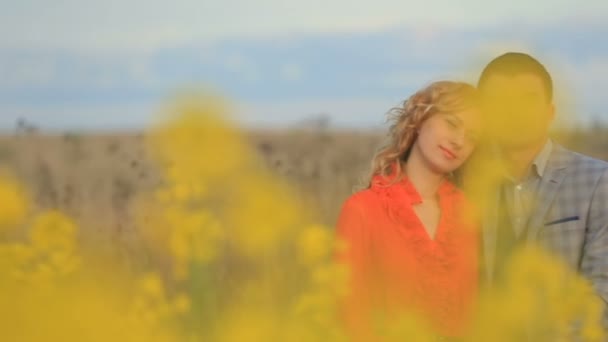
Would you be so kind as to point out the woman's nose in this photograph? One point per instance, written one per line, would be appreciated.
(458, 139)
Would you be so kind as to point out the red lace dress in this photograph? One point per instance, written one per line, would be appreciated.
(396, 266)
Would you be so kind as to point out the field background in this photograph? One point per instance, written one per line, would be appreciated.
(95, 177)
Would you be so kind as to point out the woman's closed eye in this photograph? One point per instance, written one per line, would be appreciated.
(452, 122)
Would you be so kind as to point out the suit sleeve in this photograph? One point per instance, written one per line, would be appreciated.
(353, 233)
(595, 254)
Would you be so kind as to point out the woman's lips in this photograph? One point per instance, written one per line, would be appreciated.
(447, 153)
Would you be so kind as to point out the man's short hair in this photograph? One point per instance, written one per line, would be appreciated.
(515, 63)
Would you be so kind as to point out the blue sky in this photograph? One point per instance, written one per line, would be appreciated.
(111, 64)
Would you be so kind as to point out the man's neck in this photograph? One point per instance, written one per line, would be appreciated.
(518, 160)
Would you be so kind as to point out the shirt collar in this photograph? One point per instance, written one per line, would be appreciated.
(539, 164)
(542, 158)
(400, 186)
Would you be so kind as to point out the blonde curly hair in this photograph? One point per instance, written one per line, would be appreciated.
(406, 120)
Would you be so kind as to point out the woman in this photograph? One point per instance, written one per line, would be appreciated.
(410, 246)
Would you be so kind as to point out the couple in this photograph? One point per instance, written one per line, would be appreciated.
(412, 235)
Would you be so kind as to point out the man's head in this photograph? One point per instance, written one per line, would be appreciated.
(517, 92)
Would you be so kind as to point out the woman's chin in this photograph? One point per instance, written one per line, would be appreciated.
(444, 166)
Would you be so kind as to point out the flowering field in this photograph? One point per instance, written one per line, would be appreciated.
(194, 231)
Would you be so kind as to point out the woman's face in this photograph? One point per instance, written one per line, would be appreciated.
(445, 141)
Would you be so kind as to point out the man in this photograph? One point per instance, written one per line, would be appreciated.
(549, 195)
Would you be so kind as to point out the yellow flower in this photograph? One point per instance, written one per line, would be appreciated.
(541, 298)
(195, 141)
(248, 324)
(152, 286)
(14, 203)
(52, 230)
(262, 214)
(315, 244)
(181, 303)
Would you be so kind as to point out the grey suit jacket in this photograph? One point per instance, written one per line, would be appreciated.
(570, 219)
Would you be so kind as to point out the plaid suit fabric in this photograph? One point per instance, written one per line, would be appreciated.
(570, 218)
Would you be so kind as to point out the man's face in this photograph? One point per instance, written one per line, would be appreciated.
(517, 109)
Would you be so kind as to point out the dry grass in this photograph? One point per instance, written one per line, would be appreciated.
(94, 178)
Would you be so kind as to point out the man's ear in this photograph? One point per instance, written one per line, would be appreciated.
(551, 112)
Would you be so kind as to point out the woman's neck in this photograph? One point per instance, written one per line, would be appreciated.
(423, 178)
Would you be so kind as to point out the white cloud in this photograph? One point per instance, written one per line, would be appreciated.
(413, 79)
(142, 74)
(580, 84)
(363, 113)
(26, 72)
(243, 67)
(353, 112)
(107, 117)
(495, 48)
(291, 72)
(150, 24)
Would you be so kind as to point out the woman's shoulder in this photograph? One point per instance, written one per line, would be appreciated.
(361, 197)
(365, 202)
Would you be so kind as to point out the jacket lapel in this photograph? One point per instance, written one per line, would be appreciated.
(549, 184)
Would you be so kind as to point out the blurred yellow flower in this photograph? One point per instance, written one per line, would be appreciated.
(262, 214)
(196, 142)
(152, 286)
(315, 244)
(542, 299)
(226, 229)
(52, 230)
(181, 303)
(246, 324)
(14, 203)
